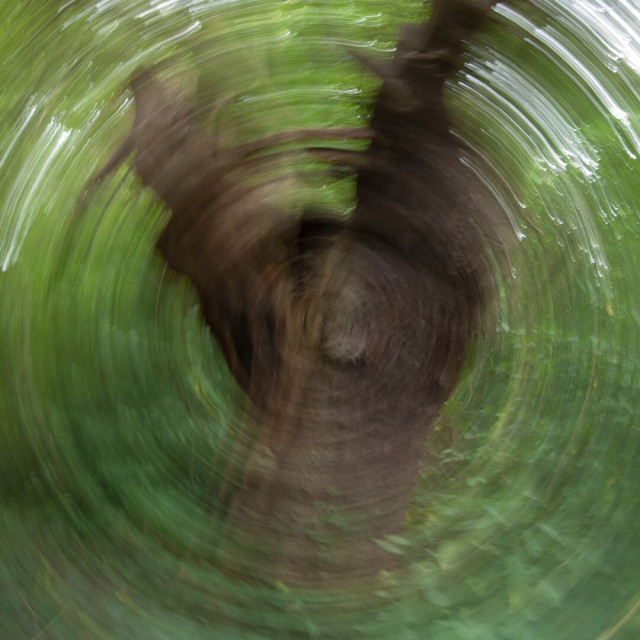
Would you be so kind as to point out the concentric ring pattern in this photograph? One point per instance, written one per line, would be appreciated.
(120, 433)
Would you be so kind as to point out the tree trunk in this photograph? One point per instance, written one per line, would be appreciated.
(347, 338)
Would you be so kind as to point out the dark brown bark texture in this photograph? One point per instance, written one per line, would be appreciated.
(347, 337)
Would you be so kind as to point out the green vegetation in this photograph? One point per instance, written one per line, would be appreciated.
(119, 432)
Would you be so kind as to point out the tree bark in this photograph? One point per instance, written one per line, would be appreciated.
(346, 337)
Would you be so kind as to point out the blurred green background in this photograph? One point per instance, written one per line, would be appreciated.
(120, 436)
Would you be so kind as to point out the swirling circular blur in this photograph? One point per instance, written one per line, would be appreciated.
(119, 427)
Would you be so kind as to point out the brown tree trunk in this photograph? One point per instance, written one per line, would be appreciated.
(347, 338)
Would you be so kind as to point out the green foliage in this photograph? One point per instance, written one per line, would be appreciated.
(120, 442)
